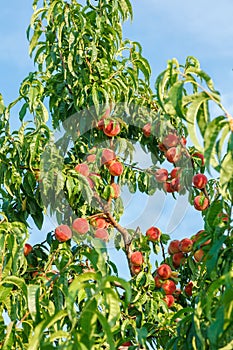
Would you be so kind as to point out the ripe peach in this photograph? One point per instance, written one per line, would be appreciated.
(146, 130)
(137, 258)
(175, 184)
(116, 189)
(100, 124)
(174, 246)
(198, 235)
(188, 288)
(63, 233)
(199, 155)
(102, 234)
(178, 259)
(112, 128)
(199, 254)
(169, 300)
(82, 168)
(161, 175)
(158, 282)
(99, 222)
(116, 168)
(173, 155)
(199, 181)
(171, 140)
(183, 141)
(108, 156)
(162, 147)
(169, 287)
(80, 225)
(200, 203)
(135, 269)
(164, 271)
(186, 245)
(27, 249)
(91, 158)
(168, 188)
(153, 234)
(176, 172)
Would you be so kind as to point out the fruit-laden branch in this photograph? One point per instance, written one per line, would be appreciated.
(123, 231)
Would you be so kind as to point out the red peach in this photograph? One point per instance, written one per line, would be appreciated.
(108, 156)
(162, 147)
(27, 249)
(174, 246)
(99, 222)
(173, 155)
(175, 184)
(135, 269)
(168, 188)
(116, 190)
(199, 155)
(223, 217)
(80, 225)
(164, 271)
(100, 124)
(102, 234)
(198, 255)
(178, 259)
(188, 288)
(153, 234)
(183, 141)
(161, 175)
(169, 300)
(146, 130)
(82, 168)
(199, 181)
(137, 258)
(112, 128)
(186, 245)
(176, 172)
(171, 140)
(169, 287)
(200, 203)
(63, 233)
(91, 158)
(158, 282)
(116, 168)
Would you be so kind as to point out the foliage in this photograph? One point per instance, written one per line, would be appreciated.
(69, 294)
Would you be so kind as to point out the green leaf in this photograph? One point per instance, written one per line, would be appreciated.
(33, 300)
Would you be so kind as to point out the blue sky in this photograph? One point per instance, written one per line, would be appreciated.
(166, 29)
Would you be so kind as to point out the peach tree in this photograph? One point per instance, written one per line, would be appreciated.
(83, 114)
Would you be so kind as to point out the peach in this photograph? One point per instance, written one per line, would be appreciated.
(173, 155)
(188, 288)
(183, 141)
(137, 258)
(174, 246)
(80, 225)
(168, 187)
(161, 175)
(199, 254)
(199, 181)
(175, 184)
(178, 259)
(100, 124)
(108, 156)
(171, 140)
(99, 222)
(162, 147)
(158, 282)
(102, 234)
(153, 234)
(186, 245)
(164, 271)
(200, 203)
(169, 287)
(116, 190)
(200, 156)
(82, 168)
(116, 168)
(91, 158)
(135, 269)
(146, 130)
(169, 300)
(112, 128)
(27, 249)
(176, 172)
(63, 233)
